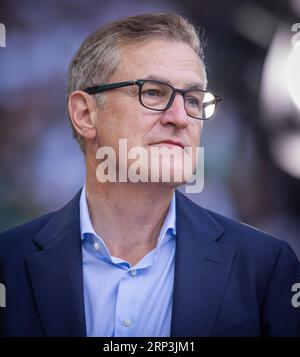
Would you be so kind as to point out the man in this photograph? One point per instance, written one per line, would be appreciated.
(131, 257)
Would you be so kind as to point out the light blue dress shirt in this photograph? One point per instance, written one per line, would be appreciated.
(124, 300)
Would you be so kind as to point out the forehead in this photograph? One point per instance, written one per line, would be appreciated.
(174, 61)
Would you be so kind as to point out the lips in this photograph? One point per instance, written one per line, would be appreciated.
(171, 142)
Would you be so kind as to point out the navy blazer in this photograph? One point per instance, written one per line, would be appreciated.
(230, 279)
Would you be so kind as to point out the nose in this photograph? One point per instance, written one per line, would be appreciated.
(176, 114)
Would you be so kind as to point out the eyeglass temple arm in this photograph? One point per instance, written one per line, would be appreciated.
(109, 86)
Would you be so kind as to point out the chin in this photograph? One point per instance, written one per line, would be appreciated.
(174, 174)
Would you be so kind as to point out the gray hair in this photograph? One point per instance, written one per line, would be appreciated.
(99, 55)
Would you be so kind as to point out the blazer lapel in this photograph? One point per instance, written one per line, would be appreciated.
(202, 267)
(56, 274)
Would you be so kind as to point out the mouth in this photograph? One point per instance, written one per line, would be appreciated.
(170, 142)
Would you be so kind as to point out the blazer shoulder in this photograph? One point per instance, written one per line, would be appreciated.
(252, 241)
(22, 235)
(248, 240)
(243, 229)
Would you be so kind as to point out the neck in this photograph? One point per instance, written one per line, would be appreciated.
(127, 216)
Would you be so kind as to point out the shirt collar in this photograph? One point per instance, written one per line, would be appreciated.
(86, 227)
(85, 219)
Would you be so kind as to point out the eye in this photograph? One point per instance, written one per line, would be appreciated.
(192, 101)
(152, 93)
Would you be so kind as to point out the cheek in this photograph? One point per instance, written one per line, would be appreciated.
(113, 125)
(137, 124)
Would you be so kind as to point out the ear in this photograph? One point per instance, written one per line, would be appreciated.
(83, 110)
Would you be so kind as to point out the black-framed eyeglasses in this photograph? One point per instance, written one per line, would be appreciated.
(159, 96)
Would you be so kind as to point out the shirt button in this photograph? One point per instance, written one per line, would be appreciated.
(133, 272)
(127, 322)
(96, 246)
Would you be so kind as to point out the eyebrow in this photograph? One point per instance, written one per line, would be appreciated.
(188, 86)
